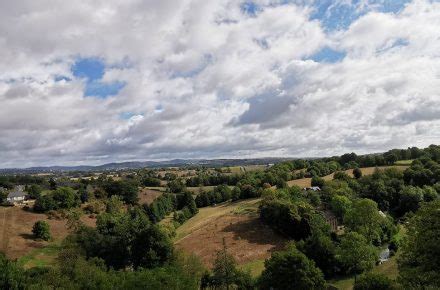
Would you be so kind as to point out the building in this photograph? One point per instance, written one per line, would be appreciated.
(17, 195)
(313, 188)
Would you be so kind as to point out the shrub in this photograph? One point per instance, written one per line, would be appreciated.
(41, 230)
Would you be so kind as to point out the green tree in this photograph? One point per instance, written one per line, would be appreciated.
(320, 248)
(224, 270)
(291, 269)
(410, 199)
(41, 230)
(364, 218)
(66, 197)
(3, 196)
(128, 191)
(340, 205)
(371, 281)
(357, 173)
(11, 275)
(34, 191)
(356, 254)
(317, 181)
(419, 263)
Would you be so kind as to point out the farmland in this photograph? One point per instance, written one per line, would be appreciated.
(16, 231)
(237, 224)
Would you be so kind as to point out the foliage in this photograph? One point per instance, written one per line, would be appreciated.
(419, 263)
(291, 270)
(61, 198)
(340, 205)
(357, 173)
(41, 230)
(34, 191)
(317, 181)
(151, 181)
(125, 189)
(356, 254)
(126, 240)
(287, 218)
(371, 281)
(364, 218)
(225, 274)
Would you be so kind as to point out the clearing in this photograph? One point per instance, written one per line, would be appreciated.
(16, 239)
(147, 195)
(247, 238)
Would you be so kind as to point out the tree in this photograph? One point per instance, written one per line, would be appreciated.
(11, 275)
(317, 181)
(41, 230)
(364, 218)
(320, 248)
(356, 254)
(410, 199)
(66, 197)
(357, 173)
(3, 196)
(125, 189)
(224, 270)
(419, 263)
(373, 281)
(34, 191)
(340, 205)
(291, 269)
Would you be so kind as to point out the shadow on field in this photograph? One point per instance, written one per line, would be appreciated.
(255, 232)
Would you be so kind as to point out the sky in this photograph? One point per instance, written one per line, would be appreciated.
(91, 82)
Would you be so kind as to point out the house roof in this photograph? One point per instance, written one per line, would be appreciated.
(17, 193)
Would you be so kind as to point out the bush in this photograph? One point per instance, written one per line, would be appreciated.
(373, 281)
(41, 230)
(317, 181)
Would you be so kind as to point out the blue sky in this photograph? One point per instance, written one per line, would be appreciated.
(92, 70)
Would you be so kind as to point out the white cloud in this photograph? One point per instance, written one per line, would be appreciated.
(227, 83)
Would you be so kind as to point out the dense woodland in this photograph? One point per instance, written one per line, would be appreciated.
(131, 249)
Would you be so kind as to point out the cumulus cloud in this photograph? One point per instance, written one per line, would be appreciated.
(216, 79)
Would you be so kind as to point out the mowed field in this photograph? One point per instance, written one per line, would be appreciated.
(147, 195)
(307, 182)
(16, 224)
(237, 224)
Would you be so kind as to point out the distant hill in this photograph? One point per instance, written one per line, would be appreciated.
(146, 164)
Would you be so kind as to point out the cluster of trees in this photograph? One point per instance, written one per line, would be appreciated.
(61, 198)
(219, 194)
(182, 204)
(212, 179)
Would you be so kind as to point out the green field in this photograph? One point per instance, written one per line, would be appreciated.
(41, 257)
(404, 162)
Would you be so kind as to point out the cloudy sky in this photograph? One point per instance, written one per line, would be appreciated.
(90, 82)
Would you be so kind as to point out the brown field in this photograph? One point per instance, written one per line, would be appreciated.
(16, 225)
(148, 195)
(246, 238)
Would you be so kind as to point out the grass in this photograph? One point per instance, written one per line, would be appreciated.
(255, 268)
(207, 214)
(41, 257)
(404, 162)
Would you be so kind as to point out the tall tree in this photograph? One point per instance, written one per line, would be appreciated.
(356, 254)
(419, 263)
(291, 269)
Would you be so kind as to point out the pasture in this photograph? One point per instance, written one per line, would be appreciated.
(247, 239)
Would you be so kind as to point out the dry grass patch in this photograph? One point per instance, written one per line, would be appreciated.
(16, 224)
(246, 237)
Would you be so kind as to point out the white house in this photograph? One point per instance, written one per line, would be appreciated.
(17, 195)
